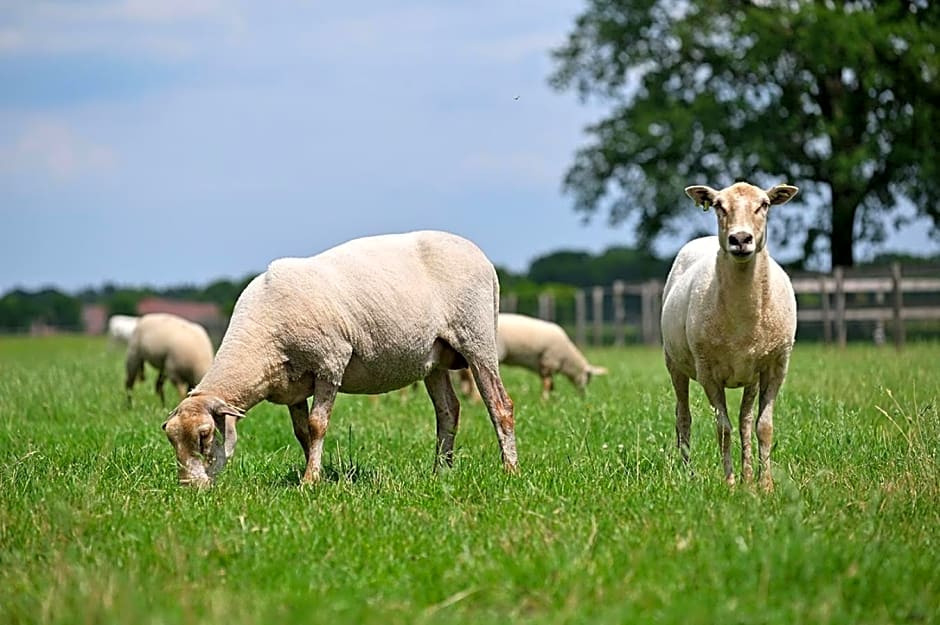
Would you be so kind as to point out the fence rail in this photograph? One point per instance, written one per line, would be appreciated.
(827, 302)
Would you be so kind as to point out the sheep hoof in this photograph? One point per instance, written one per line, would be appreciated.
(310, 479)
(767, 485)
(511, 468)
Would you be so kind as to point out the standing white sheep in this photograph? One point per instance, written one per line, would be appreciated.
(729, 320)
(545, 348)
(179, 349)
(369, 316)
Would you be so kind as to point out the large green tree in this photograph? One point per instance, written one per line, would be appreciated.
(840, 98)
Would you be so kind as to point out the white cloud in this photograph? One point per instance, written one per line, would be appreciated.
(515, 49)
(53, 148)
(172, 29)
(129, 11)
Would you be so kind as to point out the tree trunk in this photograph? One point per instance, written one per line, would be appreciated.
(842, 237)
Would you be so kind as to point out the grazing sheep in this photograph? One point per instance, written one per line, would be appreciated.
(369, 316)
(729, 320)
(543, 347)
(540, 346)
(120, 328)
(179, 349)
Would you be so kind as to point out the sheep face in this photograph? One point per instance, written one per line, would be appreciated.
(741, 210)
(195, 431)
(585, 376)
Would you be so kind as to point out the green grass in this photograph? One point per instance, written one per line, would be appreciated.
(602, 524)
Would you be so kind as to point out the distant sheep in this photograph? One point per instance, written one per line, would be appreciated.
(369, 316)
(729, 320)
(545, 348)
(179, 349)
(120, 328)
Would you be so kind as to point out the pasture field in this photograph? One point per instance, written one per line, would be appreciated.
(603, 524)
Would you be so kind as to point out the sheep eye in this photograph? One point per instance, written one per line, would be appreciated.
(719, 209)
(763, 206)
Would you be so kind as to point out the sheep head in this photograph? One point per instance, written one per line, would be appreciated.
(741, 210)
(202, 432)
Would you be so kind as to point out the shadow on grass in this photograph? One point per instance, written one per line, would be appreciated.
(350, 473)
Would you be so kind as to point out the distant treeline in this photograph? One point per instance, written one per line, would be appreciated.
(560, 272)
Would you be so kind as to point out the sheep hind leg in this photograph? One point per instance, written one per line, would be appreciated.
(158, 387)
(324, 395)
(447, 411)
(716, 397)
(500, 407)
(745, 423)
(134, 370)
(299, 414)
(680, 384)
(770, 386)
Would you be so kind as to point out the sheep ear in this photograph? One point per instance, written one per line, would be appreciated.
(220, 409)
(782, 193)
(226, 417)
(702, 195)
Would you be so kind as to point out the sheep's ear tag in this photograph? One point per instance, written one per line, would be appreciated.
(705, 206)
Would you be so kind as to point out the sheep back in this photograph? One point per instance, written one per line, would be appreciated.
(180, 348)
(535, 344)
(367, 314)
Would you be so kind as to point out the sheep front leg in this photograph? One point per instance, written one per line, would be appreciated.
(716, 397)
(299, 415)
(547, 385)
(499, 406)
(324, 394)
(745, 423)
(447, 411)
(547, 368)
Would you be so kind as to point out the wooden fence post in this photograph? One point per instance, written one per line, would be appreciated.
(597, 297)
(898, 305)
(645, 313)
(509, 303)
(826, 315)
(580, 317)
(839, 274)
(546, 306)
(656, 310)
(620, 314)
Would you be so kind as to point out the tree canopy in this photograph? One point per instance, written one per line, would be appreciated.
(584, 269)
(839, 98)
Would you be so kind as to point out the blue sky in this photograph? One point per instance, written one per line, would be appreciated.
(178, 141)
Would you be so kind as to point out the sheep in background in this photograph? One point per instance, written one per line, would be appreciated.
(179, 349)
(543, 347)
(729, 320)
(120, 328)
(369, 316)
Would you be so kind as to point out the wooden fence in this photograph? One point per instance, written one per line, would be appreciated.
(880, 303)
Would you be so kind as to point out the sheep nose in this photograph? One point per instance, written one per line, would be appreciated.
(740, 239)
